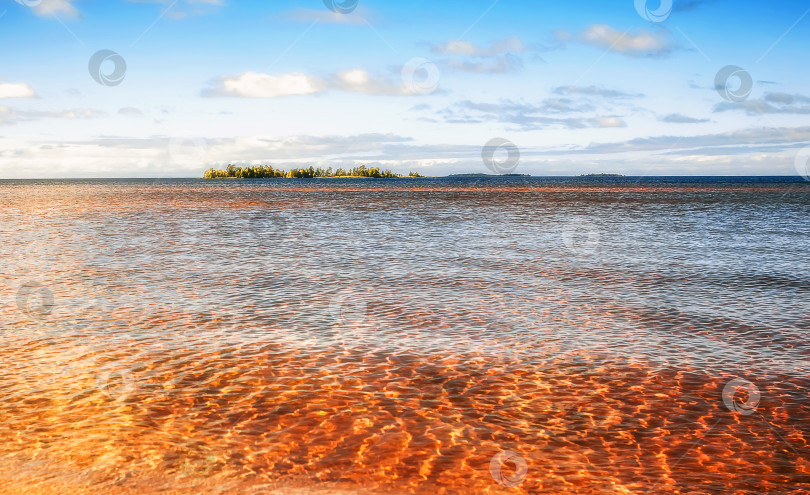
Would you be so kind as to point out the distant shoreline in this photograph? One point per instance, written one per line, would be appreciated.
(360, 173)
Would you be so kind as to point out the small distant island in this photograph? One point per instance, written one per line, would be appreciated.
(601, 175)
(268, 172)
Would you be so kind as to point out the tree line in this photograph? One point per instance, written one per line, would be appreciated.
(268, 172)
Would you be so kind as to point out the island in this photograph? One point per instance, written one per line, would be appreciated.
(268, 172)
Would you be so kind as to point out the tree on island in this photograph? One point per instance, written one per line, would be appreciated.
(268, 172)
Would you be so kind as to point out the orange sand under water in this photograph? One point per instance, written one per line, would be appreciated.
(414, 391)
(257, 417)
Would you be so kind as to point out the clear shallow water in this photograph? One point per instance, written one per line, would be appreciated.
(394, 336)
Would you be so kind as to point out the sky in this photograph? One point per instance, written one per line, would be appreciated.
(169, 88)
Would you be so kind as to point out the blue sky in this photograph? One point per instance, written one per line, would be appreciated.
(578, 87)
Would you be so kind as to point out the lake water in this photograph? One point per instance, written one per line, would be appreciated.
(457, 335)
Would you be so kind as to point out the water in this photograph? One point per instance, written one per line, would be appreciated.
(396, 336)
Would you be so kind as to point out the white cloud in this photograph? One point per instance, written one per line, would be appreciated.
(551, 112)
(257, 85)
(498, 58)
(640, 44)
(16, 90)
(770, 103)
(360, 81)
(677, 118)
(607, 122)
(736, 142)
(498, 65)
(11, 116)
(512, 44)
(132, 111)
(594, 91)
(56, 7)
